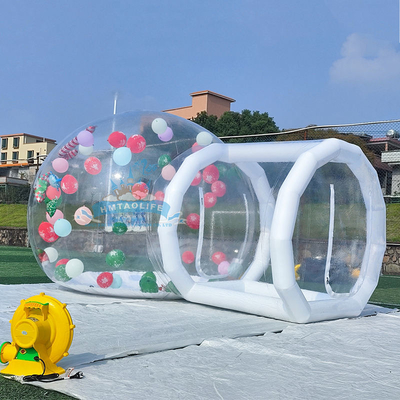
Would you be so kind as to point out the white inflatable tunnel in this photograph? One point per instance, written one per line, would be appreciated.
(278, 212)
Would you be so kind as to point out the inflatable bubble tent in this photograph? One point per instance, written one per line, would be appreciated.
(151, 205)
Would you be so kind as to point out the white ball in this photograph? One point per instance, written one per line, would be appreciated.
(86, 151)
(74, 267)
(52, 253)
(159, 126)
(204, 138)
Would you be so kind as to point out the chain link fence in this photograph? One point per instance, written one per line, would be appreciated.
(379, 140)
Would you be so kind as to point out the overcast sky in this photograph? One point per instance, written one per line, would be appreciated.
(303, 62)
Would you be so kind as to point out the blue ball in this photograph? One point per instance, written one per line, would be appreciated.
(122, 156)
(62, 227)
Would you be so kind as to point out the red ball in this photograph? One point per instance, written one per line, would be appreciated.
(210, 200)
(218, 188)
(46, 232)
(117, 139)
(218, 257)
(210, 174)
(159, 195)
(105, 279)
(52, 193)
(92, 165)
(69, 184)
(140, 190)
(187, 257)
(43, 256)
(136, 143)
(63, 261)
(197, 179)
(193, 221)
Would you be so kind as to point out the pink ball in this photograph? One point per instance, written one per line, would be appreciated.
(69, 184)
(223, 268)
(187, 257)
(92, 165)
(218, 257)
(57, 215)
(105, 279)
(196, 147)
(60, 165)
(167, 135)
(197, 179)
(193, 221)
(210, 174)
(159, 195)
(210, 200)
(219, 188)
(83, 216)
(117, 139)
(85, 138)
(136, 143)
(168, 172)
(46, 232)
(52, 192)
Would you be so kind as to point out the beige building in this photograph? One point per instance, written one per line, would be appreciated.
(22, 148)
(22, 153)
(211, 102)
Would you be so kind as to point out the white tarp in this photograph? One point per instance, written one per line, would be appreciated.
(181, 350)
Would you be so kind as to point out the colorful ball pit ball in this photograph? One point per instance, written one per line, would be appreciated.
(57, 215)
(159, 126)
(92, 166)
(52, 253)
(168, 172)
(105, 280)
(164, 160)
(218, 188)
(223, 267)
(83, 216)
(115, 258)
(60, 165)
(204, 138)
(60, 274)
(187, 257)
(193, 221)
(159, 195)
(136, 143)
(167, 135)
(122, 156)
(119, 228)
(85, 138)
(74, 267)
(62, 227)
(197, 179)
(117, 281)
(218, 257)
(69, 184)
(210, 200)
(47, 233)
(210, 174)
(117, 139)
(140, 190)
(85, 151)
(52, 193)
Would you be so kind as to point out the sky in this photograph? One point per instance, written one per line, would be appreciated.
(303, 62)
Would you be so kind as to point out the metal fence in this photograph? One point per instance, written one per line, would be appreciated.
(379, 140)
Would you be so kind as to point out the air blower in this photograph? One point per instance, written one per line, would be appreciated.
(41, 332)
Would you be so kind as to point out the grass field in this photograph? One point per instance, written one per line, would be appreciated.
(18, 265)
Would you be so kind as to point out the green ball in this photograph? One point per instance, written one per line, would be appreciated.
(150, 275)
(148, 285)
(119, 228)
(60, 274)
(223, 169)
(164, 160)
(115, 258)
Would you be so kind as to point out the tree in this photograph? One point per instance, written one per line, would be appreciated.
(237, 124)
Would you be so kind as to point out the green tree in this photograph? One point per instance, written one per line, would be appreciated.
(237, 124)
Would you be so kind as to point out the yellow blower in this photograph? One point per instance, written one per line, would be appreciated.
(41, 332)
